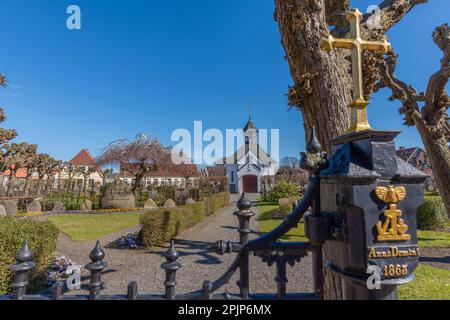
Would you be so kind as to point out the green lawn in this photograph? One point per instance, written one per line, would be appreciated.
(433, 239)
(430, 284)
(85, 227)
(266, 224)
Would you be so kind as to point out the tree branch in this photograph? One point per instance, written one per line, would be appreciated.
(400, 90)
(335, 12)
(437, 100)
(391, 12)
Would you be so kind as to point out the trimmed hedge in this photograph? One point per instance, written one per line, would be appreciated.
(432, 215)
(215, 202)
(162, 225)
(41, 236)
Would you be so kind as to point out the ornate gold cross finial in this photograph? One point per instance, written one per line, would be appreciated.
(359, 121)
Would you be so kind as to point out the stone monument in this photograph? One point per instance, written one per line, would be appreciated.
(117, 195)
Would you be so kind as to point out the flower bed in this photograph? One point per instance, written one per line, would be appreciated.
(128, 241)
(61, 269)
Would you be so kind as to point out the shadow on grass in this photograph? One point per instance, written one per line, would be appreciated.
(444, 260)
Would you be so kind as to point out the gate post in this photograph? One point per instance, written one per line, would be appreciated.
(369, 197)
(244, 215)
(24, 264)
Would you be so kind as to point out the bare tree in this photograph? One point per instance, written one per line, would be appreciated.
(17, 156)
(44, 161)
(29, 172)
(427, 110)
(138, 157)
(289, 164)
(104, 173)
(322, 81)
(71, 171)
(187, 169)
(53, 168)
(85, 173)
(5, 134)
(322, 88)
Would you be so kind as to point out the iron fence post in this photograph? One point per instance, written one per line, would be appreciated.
(171, 266)
(96, 268)
(244, 215)
(312, 163)
(24, 264)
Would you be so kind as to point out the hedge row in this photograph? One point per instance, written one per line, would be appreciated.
(432, 215)
(162, 225)
(41, 236)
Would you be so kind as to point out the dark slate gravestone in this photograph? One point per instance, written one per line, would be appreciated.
(371, 196)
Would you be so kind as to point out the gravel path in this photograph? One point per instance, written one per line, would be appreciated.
(198, 265)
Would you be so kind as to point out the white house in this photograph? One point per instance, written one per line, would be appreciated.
(250, 165)
(82, 161)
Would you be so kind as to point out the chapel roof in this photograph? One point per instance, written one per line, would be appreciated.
(250, 125)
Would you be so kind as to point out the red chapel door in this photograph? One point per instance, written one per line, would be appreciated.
(250, 183)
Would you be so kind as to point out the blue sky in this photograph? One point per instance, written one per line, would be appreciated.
(154, 66)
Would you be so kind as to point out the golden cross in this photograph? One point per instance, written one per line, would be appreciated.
(359, 121)
(394, 228)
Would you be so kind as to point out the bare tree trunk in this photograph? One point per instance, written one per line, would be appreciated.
(26, 187)
(137, 183)
(321, 81)
(39, 187)
(439, 155)
(11, 181)
(85, 182)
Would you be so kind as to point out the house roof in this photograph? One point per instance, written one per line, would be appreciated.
(407, 153)
(217, 171)
(21, 173)
(416, 157)
(83, 158)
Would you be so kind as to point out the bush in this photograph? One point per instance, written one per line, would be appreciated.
(141, 199)
(284, 208)
(41, 236)
(162, 225)
(432, 215)
(283, 189)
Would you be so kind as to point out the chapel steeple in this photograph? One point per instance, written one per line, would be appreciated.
(250, 129)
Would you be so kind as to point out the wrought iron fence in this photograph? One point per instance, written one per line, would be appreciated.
(268, 247)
